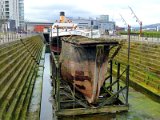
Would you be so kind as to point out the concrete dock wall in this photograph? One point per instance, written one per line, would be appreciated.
(144, 66)
(19, 62)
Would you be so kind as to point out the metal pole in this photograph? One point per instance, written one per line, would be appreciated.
(118, 74)
(129, 30)
(140, 29)
(127, 72)
(91, 31)
(91, 28)
(127, 83)
(57, 37)
(111, 74)
(57, 71)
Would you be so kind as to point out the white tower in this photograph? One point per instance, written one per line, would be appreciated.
(12, 10)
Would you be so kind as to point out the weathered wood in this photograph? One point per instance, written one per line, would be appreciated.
(112, 97)
(82, 111)
(55, 60)
(69, 102)
(77, 100)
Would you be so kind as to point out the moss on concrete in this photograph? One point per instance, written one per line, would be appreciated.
(144, 66)
(18, 61)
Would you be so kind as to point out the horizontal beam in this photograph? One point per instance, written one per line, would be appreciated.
(83, 111)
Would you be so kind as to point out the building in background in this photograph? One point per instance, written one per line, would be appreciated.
(38, 27)
(102, 23)
(103, 18)
(21, 14)
(12, 15)
(105, 26)
(85, 23)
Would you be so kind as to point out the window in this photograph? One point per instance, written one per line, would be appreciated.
(6, 9)
(6, 2)
(7, 17)
(7, 13)
(83, 23)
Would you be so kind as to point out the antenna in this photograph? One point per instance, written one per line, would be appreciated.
(137, 20)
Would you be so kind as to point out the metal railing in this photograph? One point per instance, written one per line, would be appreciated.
(146, 39)
(10, 36)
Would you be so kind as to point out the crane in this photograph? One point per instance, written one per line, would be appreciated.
(137, 20)
(124, 20)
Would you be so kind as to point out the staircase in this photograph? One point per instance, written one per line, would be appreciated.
(144, 65)
(19, 61)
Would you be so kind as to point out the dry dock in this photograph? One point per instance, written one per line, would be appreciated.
(141, 107)
(21, 75)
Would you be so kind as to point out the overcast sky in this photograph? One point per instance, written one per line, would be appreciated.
(148, 11)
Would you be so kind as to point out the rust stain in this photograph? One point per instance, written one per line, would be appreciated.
(79, 76)
(81, 73)
(80, 86)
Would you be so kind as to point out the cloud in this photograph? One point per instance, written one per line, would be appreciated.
(48, 10)
(51, 12)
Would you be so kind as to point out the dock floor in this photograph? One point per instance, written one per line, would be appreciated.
(46, 103)
(140, 106)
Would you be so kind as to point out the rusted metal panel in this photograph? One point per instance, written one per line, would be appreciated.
(85, 67)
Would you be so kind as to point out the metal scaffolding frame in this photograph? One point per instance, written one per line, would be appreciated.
(113, 96)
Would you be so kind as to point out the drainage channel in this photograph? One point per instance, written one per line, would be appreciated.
(46, 103)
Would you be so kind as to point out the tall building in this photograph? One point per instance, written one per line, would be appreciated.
(103, 18)
(104, 24)
(12, 12)
(21, 14)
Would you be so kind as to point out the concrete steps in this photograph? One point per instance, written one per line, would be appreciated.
(144, 63)
(19, 61)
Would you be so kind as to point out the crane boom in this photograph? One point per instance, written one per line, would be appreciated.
(137, 20)
(123, 20)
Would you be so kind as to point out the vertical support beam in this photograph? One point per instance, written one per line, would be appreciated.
(140, 29)
(111, 62)
(118, 75)
(58, 76)
(57, 89)
(55, 82)
(57, 38)
(51, 66)
(91, 28)
(127, 83)
(127, 72)
(129, 37)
